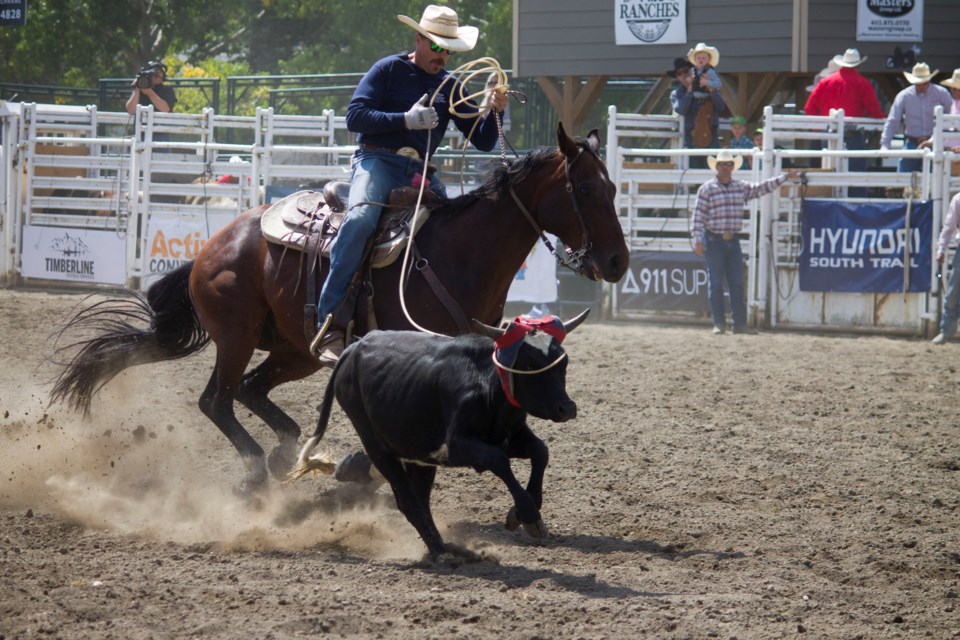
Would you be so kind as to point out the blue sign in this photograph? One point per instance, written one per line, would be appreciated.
(13, 12)
(866, 247)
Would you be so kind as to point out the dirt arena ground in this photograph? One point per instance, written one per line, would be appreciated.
(779, 485)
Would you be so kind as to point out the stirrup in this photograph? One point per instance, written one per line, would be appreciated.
(322, 331)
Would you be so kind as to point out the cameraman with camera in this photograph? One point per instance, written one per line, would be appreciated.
(148, 89)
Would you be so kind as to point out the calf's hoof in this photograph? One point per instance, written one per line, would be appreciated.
(537, 529)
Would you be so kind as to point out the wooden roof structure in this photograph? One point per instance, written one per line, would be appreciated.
(769, 49)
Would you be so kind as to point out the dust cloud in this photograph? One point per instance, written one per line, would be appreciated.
(111, 472)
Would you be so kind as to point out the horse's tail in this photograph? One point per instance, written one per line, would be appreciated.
(306, 463)
(121, 332)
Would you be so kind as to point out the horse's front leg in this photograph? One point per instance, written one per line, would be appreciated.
(485, 457)
(279, 367)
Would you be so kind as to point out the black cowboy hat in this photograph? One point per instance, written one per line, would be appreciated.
(678, 64)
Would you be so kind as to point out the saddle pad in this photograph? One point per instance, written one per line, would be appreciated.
(291, 222)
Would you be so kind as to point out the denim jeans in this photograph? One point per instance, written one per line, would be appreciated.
(909, 165)
(725, 260)
(375, 175)
(951, 300)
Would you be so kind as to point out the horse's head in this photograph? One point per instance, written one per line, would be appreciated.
(582, 213)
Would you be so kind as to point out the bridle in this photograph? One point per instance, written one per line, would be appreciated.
(574, 260)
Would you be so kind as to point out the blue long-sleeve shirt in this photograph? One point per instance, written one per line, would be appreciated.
(390, 88)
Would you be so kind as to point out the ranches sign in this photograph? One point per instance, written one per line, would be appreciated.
(650, 21)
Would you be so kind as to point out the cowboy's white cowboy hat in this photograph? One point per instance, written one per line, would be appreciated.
(724, 155)
(921, 73)
(441, 25)
(705, 48)
(953, 81)
(850, 58)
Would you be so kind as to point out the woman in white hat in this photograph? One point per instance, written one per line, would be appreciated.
(398, 126)
(913, 109)
(716, 221)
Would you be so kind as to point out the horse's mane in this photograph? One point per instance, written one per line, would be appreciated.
(496, 181)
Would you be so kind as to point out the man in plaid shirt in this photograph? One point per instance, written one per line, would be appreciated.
(717, 219)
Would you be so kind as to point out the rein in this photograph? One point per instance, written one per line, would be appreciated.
(574, 262)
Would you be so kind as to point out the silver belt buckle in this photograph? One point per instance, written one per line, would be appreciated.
(728, 236)
(409, 152)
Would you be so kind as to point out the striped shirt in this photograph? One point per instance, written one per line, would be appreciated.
(719, 207)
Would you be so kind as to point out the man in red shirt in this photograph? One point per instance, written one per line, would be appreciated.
(848, 90)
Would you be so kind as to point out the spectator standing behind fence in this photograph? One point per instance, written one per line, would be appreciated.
(913, 108)
(848, 90)
(717, 219)
(148, 89)
(685, 104)
(951, 298)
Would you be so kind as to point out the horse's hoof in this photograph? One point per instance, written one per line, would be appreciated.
(453, 556)
(254, 483)
(281, 459)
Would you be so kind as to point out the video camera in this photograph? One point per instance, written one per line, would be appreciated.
(146, 73)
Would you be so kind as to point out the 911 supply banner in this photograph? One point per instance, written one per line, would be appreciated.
(866, 247)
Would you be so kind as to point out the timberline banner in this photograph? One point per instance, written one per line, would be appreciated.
(650, 21)
(866, 247)
(88, 256)
(890, 20)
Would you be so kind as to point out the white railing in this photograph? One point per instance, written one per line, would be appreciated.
(656, 195)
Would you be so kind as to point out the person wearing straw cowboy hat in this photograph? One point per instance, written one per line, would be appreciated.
(716, 221)
(914, 109)
(844, 88)
(400, 110)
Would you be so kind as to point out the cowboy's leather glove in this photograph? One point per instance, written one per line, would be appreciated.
(421, 116)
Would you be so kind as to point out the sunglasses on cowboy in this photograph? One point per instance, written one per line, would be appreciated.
(438, 49)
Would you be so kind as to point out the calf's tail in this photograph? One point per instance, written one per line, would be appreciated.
(320, 462)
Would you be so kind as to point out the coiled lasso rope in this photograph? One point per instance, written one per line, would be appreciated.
(481, 66)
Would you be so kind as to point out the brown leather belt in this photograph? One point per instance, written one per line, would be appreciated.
(725, 236)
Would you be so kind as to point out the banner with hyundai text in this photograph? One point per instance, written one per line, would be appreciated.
(866, 247)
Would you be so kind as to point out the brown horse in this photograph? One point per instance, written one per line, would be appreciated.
(242, 293)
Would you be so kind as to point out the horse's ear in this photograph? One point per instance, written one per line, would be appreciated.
(567, 146)
(573, 323)
(593, 139)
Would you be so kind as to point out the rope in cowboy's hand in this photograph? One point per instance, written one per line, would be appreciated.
(481, 66)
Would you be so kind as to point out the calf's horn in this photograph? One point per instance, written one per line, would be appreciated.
(572, 324)
(486, 330)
